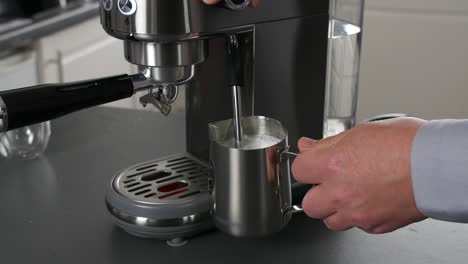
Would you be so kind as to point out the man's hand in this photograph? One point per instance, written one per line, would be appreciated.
(362, 177)
(254, 3)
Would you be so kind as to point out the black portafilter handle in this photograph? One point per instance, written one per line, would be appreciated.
(32, 105)
(236, 4)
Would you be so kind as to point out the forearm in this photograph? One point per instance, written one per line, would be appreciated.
(439, 168)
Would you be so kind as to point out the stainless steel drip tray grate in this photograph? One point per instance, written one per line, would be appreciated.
(164, 199)
(171, 179)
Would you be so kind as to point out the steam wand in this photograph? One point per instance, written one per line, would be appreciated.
(235, 82)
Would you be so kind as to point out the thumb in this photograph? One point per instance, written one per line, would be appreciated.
(211, 2)
(255, 3)
(305, 144)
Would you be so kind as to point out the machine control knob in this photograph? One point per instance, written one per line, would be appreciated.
(236, 4)
(127, 7)
(107, 4)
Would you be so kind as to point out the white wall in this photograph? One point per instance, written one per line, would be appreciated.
(415, 58)
(18, 70)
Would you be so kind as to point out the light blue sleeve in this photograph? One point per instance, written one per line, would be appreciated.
(439, 169)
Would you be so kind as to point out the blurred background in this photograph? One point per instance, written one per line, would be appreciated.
(415, 53)
(415, 58)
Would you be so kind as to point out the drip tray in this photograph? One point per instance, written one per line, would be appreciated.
(164, 199)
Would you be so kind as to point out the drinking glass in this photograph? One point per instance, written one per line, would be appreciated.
(25, 143)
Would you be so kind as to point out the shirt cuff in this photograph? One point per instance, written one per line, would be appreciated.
(439, 169)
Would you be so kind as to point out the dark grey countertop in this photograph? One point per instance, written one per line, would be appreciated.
(52, 209)
(47, 23)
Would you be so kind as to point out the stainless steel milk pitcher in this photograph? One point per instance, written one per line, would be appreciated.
(252, 184)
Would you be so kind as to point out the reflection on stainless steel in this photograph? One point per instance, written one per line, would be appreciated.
(176, 75)
(295, 209)
(154, 21)
(177, 242)
(290, 153)
(3, 116)
(140, 82)
(286, 153)
(154, 54)
(63, 3)
(166, 63)
(153, 222)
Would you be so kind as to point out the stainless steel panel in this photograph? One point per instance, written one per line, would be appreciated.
(162, 20)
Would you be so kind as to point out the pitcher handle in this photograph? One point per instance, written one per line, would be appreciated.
(295, 209)
(284, 155)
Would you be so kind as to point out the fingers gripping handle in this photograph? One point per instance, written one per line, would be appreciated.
(31, 105)
(284, 156)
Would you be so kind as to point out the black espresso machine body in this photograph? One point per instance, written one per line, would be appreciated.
(282, 50)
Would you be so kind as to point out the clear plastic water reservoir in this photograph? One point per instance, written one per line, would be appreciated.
(344, 53)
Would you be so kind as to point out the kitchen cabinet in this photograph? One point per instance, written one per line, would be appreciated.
(415, 59)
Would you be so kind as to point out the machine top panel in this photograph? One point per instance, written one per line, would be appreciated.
(169, 20)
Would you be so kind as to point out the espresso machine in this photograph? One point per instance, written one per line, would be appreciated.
(295, 61)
